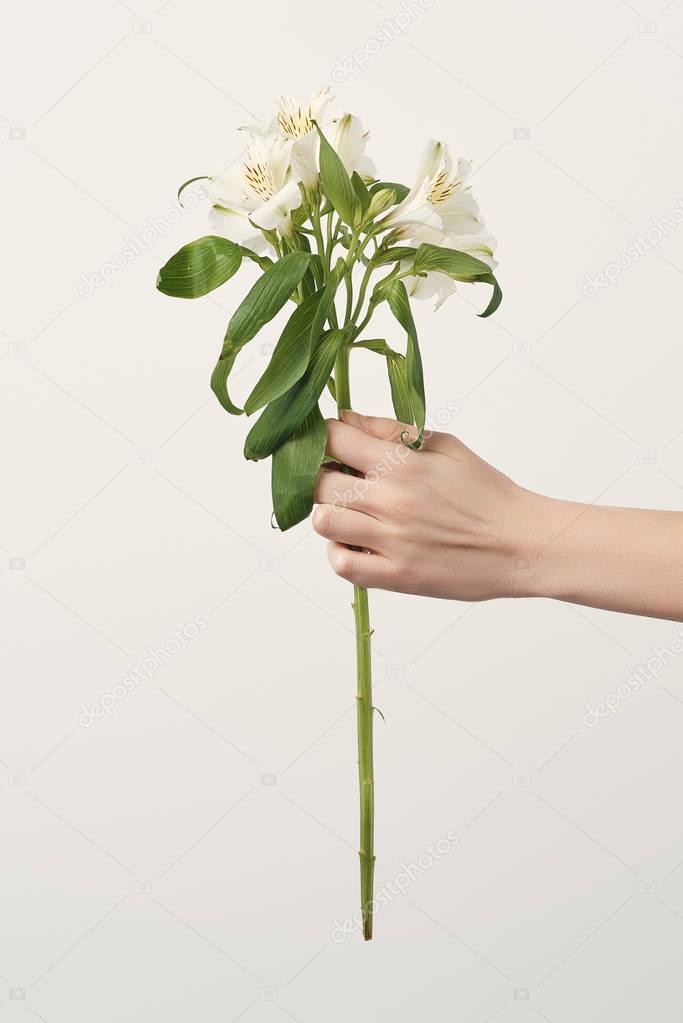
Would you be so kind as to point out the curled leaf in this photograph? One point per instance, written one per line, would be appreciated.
(397, 299)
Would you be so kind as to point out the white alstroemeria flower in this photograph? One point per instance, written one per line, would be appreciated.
(440, 206)
(294, 123)
(441, 286)
(258, 190)
(347, 137)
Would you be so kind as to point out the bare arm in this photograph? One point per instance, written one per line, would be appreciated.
(441, 522)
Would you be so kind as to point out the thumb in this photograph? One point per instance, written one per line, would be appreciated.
(376, 426)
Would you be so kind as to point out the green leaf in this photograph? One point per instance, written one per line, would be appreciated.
(379, 292)
(336, 182)
(496, 297)
(325, 307)
(300, 214)
(190, 181)
(374, 345)
(400, 389)
(265, 262)
(281, 418)
(317, 270)
(361, 191)
(199, 267)
(459, 265)
(398, 377)
(290, 358)
(397, 297)
(295, 467)
(391, 255)
(263, 302)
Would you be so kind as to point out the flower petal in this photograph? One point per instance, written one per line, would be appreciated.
(348, 140)
(228, 187)
(305, 159)
(434, 285)
(273, 214)
(234, 224)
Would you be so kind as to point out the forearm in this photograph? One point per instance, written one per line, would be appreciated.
(619, 559)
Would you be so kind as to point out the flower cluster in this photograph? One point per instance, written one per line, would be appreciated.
(279, 174)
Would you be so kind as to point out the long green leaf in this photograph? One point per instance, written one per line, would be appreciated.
(459, 265)
(199, 267)
(263, 302)
(265, 262)
(325, 307)
(336, 182)
(295, 467)
(379, 292)
(281, 418)
(400, 389)
(399, 303)
(361, 191)
(392, 255)
(374, 345)
(496, 297)
(290, 358)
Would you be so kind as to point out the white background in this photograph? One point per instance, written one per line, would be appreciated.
(188, 855)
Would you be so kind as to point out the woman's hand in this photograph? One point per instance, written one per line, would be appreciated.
(441, 522)
(438, 522)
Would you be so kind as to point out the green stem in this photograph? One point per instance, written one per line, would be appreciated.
(366, 777)
(361, 293)
(317, 229)
(364, 708)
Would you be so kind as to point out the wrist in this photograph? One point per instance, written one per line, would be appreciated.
(569, 556)
(538, 565)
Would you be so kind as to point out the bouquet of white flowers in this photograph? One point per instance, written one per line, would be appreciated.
(305, 204)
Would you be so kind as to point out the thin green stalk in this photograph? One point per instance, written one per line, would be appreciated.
(331, 238)
(364, 708)
(361, 292)
(317, 229)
